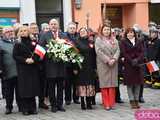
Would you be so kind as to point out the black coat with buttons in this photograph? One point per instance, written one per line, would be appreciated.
(87, 74)
(28, 77)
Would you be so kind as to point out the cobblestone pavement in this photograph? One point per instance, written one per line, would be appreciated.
(73, 112)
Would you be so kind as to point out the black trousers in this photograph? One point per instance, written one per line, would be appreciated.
(43, 87)
(2, 88)
(141, 92)
(56, 100)
(88, 101)
(11, 87)
(70, 87)
(118, 95)
(28, 104)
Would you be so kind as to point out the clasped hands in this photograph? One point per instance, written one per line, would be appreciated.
(29, 61)
(112, 61)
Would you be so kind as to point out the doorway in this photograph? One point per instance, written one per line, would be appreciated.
(114, 14)
(49, 9)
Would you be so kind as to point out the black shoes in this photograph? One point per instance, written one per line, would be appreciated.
(8, 111)
(55, 109)
(89, 107)
(61, 109)
(19, 109)
(76, 102)
(119, 101)
(93, 102)
(43, 106)
(68, 102)
(25, 113)
(33, 112)
(141, 100)
(83, 105)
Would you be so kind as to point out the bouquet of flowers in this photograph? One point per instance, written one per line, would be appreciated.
(63, 50)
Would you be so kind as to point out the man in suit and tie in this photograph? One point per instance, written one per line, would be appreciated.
(55, 71)
(35, 36)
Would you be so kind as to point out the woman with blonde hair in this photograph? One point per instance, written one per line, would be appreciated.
(107, 50)
(27, 68)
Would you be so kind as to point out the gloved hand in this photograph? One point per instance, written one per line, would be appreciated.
(146, 59)
(134, 62)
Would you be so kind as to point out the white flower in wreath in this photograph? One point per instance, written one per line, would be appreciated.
(73, 61)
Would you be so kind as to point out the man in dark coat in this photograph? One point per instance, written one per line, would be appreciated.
(8, 69)
(35, 36)
(153, 53)
(71, 72)
(55, 71)
(120, 68)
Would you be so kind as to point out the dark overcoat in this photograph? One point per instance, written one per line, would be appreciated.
(8, 64)
(153, 49)
(28, 77)
(133, 75)
(87, 74)
(53, 69)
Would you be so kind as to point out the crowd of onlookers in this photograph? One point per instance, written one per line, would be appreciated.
(111, 56)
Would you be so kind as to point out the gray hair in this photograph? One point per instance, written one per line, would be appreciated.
(43, 25)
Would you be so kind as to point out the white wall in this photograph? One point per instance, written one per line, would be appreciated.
(155, 1)
(67, 12)
(27, 11)
(9, 3)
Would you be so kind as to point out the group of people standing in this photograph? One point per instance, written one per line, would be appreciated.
(26, 73)
(30, 76)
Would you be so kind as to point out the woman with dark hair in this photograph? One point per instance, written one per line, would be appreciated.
(86, 81)
(133, 53)
(107, 50)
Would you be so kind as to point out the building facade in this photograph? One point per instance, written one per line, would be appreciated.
(122, 13)
(154, 7)
(27, 11)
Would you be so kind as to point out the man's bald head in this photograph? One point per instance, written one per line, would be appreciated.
(54, 25)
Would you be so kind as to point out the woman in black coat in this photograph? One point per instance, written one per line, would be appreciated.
(87, 75)
(133, 53)
(27, 68)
